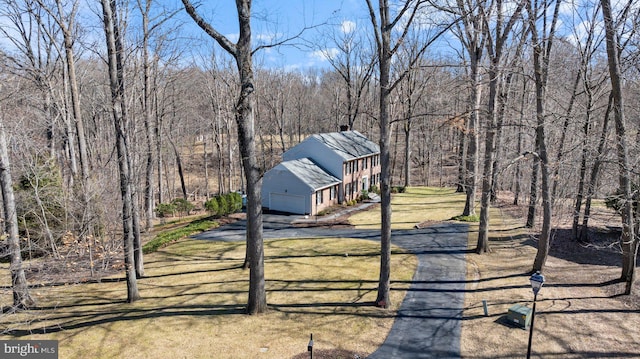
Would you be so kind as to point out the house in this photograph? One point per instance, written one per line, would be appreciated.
(321, 171)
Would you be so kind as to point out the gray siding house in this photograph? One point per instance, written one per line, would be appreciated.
(321, 171)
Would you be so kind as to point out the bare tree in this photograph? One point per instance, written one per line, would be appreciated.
(21, 297)
(354, 65)
(628, 240)
(242, 53)
(471, 34)
(495, 49)
(66, 20)
(147, 110)
(542, 46)
(118, 108)
(384, 25)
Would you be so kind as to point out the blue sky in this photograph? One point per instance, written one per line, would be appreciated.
(280, 19)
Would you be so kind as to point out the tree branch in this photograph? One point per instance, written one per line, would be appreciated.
(225, 43)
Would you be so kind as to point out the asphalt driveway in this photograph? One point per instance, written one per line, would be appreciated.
(428, 322)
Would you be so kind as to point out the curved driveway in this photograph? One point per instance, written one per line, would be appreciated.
(429, 319)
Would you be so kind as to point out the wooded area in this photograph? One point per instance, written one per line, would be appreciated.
(539, 99)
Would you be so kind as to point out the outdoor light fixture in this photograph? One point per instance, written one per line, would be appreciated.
(537, 280)
(310, 347)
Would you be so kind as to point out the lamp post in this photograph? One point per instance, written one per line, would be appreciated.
(310, 347)
(537, 280)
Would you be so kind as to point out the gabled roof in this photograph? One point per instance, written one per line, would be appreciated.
(310, 173)
(348, 144)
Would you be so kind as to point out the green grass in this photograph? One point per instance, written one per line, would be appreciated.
(194, 296)
(414, 206)
(172, 235)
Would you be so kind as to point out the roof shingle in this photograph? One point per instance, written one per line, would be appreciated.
(348, 144)
(310, 173)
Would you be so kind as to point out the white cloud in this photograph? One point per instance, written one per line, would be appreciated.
(325, 54)
(233, 37)
(267, 37)
(348, 27)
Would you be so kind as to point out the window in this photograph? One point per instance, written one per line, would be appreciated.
(365, 163)
(332, 193)
(319, 197)
(356, 165)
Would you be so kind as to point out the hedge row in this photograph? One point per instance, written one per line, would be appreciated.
(173, 235)
(179, 205)
(224, 204)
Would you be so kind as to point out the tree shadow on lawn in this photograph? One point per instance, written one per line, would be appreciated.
(100, 308)
(81, 319)
(603, 248)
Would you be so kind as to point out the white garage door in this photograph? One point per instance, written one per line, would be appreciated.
(287, 203)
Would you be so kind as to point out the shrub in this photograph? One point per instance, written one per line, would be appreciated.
(398, 189)
(212, 207)
(165, 238)
(165, 210)
(374, 189)
(472, 218)
(183, 206)
(223, 205)
(236, 202)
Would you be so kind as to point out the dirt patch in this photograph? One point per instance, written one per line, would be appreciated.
(580, 312)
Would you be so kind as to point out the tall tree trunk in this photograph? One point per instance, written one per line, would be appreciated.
(473, 129)
(518, 175)
(533, 194)
(462, 155)
(116, 80)
(541, 57)
(383, 41)
(503, 99)
(242, 52)
(494, 107)
(628, 240)
(205, 160)
(138, 256)
(384, 283)
(583, 164)
(21, 297)
(183, 185)
(563, 136)
(75, 102)
(595, 171)
(383, 28)
(482, 245)
(159, 161)
(147, 109)
(586, 52)
(407, 152)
